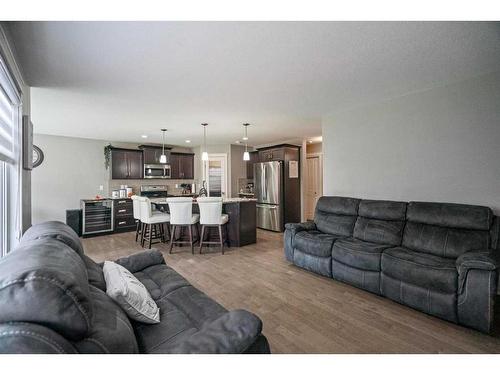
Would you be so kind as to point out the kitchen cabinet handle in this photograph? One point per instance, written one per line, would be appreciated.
(121, 222)
(124, 210)
(121, 202)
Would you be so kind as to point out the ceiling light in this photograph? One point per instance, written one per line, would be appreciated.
(188, 141)
(238, 142)
(144, 136)
(204, 154)
(246, 155)
(163, 157)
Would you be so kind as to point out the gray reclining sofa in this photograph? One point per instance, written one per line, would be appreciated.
(439, 258)
(53, 300)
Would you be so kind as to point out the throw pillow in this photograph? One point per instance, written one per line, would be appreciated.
(130, 294)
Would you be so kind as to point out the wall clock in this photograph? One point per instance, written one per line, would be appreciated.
(37, 156)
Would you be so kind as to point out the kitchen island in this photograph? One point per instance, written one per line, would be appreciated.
(242, 224)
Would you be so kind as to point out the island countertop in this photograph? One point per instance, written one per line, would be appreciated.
(242, 224)
(224, 200)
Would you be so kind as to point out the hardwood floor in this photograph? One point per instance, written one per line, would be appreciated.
(303, 312)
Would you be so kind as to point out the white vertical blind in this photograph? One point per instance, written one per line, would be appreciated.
(9, 102)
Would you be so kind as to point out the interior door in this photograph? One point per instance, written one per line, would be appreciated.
(313, 184)
(215, 174)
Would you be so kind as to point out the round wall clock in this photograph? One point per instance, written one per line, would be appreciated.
(37, 156)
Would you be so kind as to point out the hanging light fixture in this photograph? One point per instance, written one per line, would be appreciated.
(163, 157)
(204, 154)
(246, 154)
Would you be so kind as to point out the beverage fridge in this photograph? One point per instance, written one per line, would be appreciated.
(277, 194)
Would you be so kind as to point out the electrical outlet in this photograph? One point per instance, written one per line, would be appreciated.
(101, 187)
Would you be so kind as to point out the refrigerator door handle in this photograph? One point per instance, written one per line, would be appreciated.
(266, 206)
(264, 182)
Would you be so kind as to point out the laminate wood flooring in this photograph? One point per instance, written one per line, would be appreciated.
(303, 312)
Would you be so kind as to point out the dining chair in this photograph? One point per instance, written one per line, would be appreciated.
(136, 208)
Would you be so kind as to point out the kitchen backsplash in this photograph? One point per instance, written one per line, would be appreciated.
(136, 185)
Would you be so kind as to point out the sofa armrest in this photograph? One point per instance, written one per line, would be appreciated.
(30, 338)
(487, 260)
(299, 227)
(232, 333)
(139, 261)
(291, 229)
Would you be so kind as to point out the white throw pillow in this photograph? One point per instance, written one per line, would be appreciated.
(130, 294)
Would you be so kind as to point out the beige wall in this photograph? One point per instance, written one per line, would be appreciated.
(437, 145)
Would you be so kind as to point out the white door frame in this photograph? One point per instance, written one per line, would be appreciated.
(319, 155)
(204, 169)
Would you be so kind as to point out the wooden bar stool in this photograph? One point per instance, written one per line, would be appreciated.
(211, 216)
(181, 216)
(152, 225)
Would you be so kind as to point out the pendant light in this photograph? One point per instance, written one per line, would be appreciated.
(163, 157)
(204, 154)
(246, 154)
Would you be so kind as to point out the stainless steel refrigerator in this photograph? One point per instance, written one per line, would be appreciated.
(268, 177)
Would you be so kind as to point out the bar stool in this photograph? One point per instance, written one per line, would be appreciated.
(211, 216)
(136, 208)
(152, 225)
(181, 216)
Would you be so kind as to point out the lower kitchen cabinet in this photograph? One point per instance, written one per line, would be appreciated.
(123, 215)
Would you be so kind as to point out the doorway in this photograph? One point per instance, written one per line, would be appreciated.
(313, 183)
(215, 175)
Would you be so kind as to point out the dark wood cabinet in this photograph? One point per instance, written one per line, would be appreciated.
(182, 166)
(126, 164)
(254, 158)
(274, 154)
(152, 154)
(123, 215)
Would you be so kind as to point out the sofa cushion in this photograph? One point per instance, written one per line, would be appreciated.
(55, 230)
(424, 270)
(315, 243)
(442, 241)
(380, 222)
(45, 282)
(450, 215)
(336, 215)
(111, 331)
(383, 210)
(359, 254)
(160, 280)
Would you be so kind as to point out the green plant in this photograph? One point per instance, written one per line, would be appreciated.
(107, 155)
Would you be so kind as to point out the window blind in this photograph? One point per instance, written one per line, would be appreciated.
(9, 102)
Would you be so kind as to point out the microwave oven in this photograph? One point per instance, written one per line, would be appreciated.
(156, 170)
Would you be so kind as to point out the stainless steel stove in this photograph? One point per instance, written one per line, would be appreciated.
(154, 191)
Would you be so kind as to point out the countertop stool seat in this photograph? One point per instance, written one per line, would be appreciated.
(211, 216)
(136, 208)
(181, 216)
(152, 225)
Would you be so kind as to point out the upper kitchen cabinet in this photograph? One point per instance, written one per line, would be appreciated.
(152, 154)
(254, 158)
(272, 154)
(126, 164)
(182, 166)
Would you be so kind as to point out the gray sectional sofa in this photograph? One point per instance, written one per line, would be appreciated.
(53, 300)
(440, 258)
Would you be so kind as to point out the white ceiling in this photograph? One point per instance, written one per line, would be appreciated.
(118, 80)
